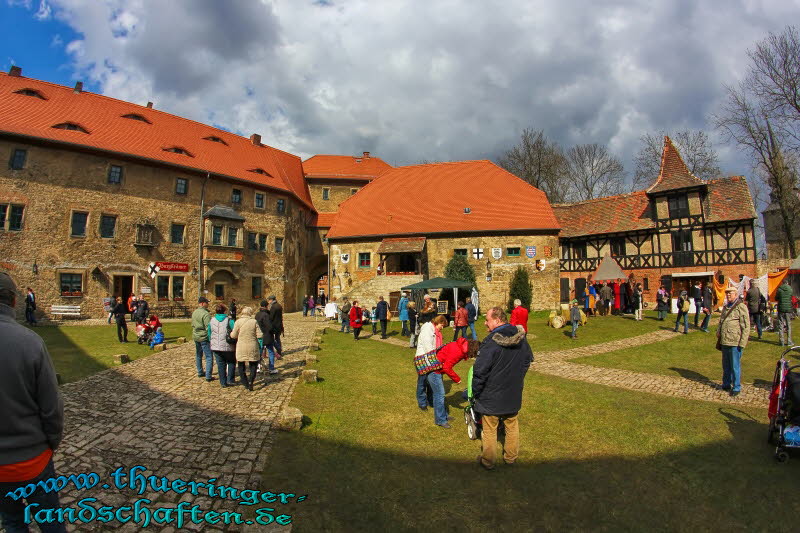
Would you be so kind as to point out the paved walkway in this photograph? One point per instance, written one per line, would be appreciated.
(157, 413)
(558, 363)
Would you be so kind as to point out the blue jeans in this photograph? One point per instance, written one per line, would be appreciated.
(404, 333)
(201, 348)
(276, 341)
(685, 321)
(704, 325)
(472, 330)
(574, 328)
(271, 355)
(12, 512)
(755, 318)
(434, 381)
(785, 328)
(731, 368)
(29, 316)
(345, 324)
(226, 370)
(313, 310)
(462, 329)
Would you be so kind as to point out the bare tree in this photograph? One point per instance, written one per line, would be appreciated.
(538, 161)
(593, 173)
(747, 121)
(695, 148)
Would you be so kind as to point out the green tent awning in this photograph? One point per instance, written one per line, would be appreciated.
(438, 283)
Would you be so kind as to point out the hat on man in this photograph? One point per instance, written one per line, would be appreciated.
(731, 289)
(7, 283)
(271, 297)
(202, 300)
(574, 302)
(264, 303)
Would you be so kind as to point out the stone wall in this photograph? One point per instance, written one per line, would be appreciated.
(338, 192)
(56, 182)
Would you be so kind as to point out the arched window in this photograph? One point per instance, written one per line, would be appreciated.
(70, 126)
(212, 138)
(178, 150)
(31, 92)
(134, 116)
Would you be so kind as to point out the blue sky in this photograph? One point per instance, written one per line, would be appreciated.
(408, 80)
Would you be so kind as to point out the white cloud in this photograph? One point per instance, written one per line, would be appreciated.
(417, 80)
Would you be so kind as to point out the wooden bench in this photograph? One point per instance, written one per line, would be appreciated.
(66, 310)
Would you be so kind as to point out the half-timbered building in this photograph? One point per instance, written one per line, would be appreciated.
(679, 230)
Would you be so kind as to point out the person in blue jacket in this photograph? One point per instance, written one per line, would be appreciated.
(158, 338)
(402, 314)
(472, 314)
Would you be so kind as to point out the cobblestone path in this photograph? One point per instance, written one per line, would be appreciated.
(155, 412)
(558, 363)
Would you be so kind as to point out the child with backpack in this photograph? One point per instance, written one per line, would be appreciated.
(683, 312)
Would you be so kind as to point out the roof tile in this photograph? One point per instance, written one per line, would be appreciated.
(345, 167)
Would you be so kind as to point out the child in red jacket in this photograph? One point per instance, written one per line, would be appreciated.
(454, 352)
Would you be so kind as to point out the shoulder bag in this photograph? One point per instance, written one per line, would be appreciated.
(228, 330)
(427, 362)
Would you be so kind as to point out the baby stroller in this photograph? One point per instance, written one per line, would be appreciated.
(144, 333)
(784, 408)
(473, 420)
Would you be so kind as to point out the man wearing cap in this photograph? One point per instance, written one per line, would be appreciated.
(732, 335)
(201, 333)
(31, 416)
(276, 318)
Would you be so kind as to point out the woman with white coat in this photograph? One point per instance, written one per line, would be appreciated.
(430, 339)
(247, 332)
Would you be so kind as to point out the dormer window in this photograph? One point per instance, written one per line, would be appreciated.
(70, 126)
(31, 92)
(678, 206)
(215, 139)
(134, 116)
(260, 171)
(178, 150)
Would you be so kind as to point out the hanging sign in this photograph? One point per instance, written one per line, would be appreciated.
(477, 253)
(530, 251)
(153, 269)
(172, 267)
(497, 253)
(345, 258)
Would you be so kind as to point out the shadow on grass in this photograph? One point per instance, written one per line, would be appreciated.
(692, 375)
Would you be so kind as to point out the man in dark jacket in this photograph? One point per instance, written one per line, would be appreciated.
(142, 310)
(276, 318)
(697, 296)
(382, 314)
(784, 298)
(31, 416)
(753, 300)
(706, 303)
(472, 314)
(30, 307)
(497, 380)
(268, 338)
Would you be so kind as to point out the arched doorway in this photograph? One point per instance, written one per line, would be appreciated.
(220, 285)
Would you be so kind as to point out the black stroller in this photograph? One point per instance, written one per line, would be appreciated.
(784, 407)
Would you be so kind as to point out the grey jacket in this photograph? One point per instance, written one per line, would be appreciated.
(31, 408)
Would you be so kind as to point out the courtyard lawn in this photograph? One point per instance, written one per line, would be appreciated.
(694, 357)
(543, 338)
(591, 458)
(79, 351)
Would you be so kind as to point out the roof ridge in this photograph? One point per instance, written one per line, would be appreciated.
(445, 163)
(590, 200)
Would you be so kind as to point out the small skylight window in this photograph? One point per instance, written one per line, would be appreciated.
(215, 139)
(31, 92)
(70, 126)
(134, 116)
(260, 171)
(177, 150)
(467, 210)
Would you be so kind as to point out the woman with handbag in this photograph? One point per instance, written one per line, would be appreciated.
(430, 387)
(356, 318)
(221, 327)
(246, 331)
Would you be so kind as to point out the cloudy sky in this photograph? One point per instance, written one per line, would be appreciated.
(406, 80)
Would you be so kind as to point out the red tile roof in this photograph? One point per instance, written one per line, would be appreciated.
(728, 199)
(103, 118)
(345, 167)
(674, 173)
(323, 220)
(429, 199)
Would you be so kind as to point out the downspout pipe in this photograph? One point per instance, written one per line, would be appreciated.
(200, 283)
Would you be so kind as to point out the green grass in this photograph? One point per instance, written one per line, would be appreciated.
(79, 351)
(591, 458)
(694, 357)
(597, 330)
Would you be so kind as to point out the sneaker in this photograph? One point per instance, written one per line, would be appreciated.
(273, 371)
(201, 375)
(449, 418)
(210, 379)
(445, 426)
(735, 393)
(480, 462)
(423, 408)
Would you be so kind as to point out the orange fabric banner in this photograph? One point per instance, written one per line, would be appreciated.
(719, 291)
(774, 280)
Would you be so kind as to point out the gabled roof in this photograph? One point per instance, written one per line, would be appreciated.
(224, 212)
(345, 167)
(727, 199)
(674, 174)
(159, 137)
(323, 220)
(430, 199)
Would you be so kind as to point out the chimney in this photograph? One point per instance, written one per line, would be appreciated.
(149, 105)
(15, 71)
(78, 87)
(366, 155)
(255, 139)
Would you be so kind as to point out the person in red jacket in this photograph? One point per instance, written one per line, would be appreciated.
(519, 316)
(356, 316)
(460, 321)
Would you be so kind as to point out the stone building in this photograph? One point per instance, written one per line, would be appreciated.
(679, 230)
(332, 179)
(97, 190)
(406, 225)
